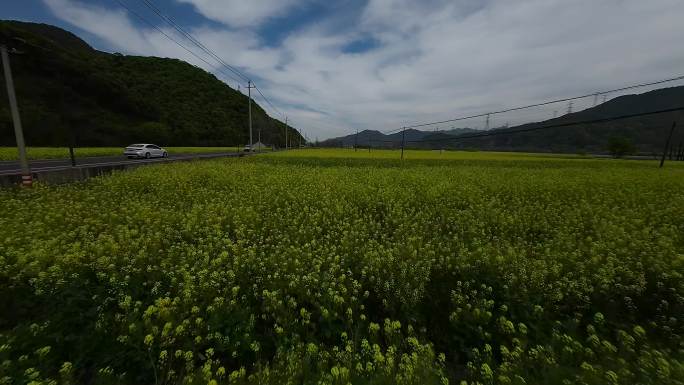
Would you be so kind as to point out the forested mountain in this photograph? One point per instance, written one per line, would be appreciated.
(68, 91)
(645, 134)
(378, 139)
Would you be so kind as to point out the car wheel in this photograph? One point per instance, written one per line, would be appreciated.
(165, 155)
(147, 155)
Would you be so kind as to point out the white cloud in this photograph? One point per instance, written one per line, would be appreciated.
(436, 59)
(117, 29)
(241, 13)
(112, 26)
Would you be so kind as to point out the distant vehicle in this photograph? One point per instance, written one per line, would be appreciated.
(258, 146)
(146, 151)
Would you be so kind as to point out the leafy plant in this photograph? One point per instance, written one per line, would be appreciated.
(337, 267)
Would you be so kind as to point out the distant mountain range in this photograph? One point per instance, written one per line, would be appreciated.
(378, 139)
(646, 133)
(68, 91)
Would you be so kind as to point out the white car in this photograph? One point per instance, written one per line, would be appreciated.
(145, 151)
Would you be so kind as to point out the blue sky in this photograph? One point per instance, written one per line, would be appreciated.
(337, 66)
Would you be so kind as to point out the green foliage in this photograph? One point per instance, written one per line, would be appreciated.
(619, 146)
(69, 92)
(335, 267)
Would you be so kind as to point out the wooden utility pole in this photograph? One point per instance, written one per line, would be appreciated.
(403, 140)
(286, 130)
(249, 95)
(71, 153)
(26, 176)
(667, 144)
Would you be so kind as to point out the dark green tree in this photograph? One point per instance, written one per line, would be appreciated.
(619, 146)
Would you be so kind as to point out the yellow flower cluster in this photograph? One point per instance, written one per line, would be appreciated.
(342, 267)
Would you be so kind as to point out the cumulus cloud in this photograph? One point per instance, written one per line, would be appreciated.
(116, 27)
(434, 59)
(241, 13)
(112, 25)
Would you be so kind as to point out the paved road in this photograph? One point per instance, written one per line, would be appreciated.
(13, 168)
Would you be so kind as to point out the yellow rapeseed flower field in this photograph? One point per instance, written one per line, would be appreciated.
(344, 267)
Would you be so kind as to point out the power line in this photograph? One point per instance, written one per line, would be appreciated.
(547, 103)
(394, 131)
(273, 124)
(169, 20)
(143, 19)
(269, 102)
(567, 124)
(275, 110)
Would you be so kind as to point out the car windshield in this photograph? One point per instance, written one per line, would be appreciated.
(136, 145)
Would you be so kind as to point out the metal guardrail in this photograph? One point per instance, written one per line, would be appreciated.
(68, 173)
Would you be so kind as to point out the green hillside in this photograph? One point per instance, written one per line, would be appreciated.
(68, 91)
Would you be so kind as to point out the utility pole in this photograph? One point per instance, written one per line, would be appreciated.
(487, 124)
(286, 130)
(26, 177)
(249, 95)
(403, 141)
(595, 99)
(71, 154)
(667, 144)
(570, 107)
(356, 139)
(72, 134)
